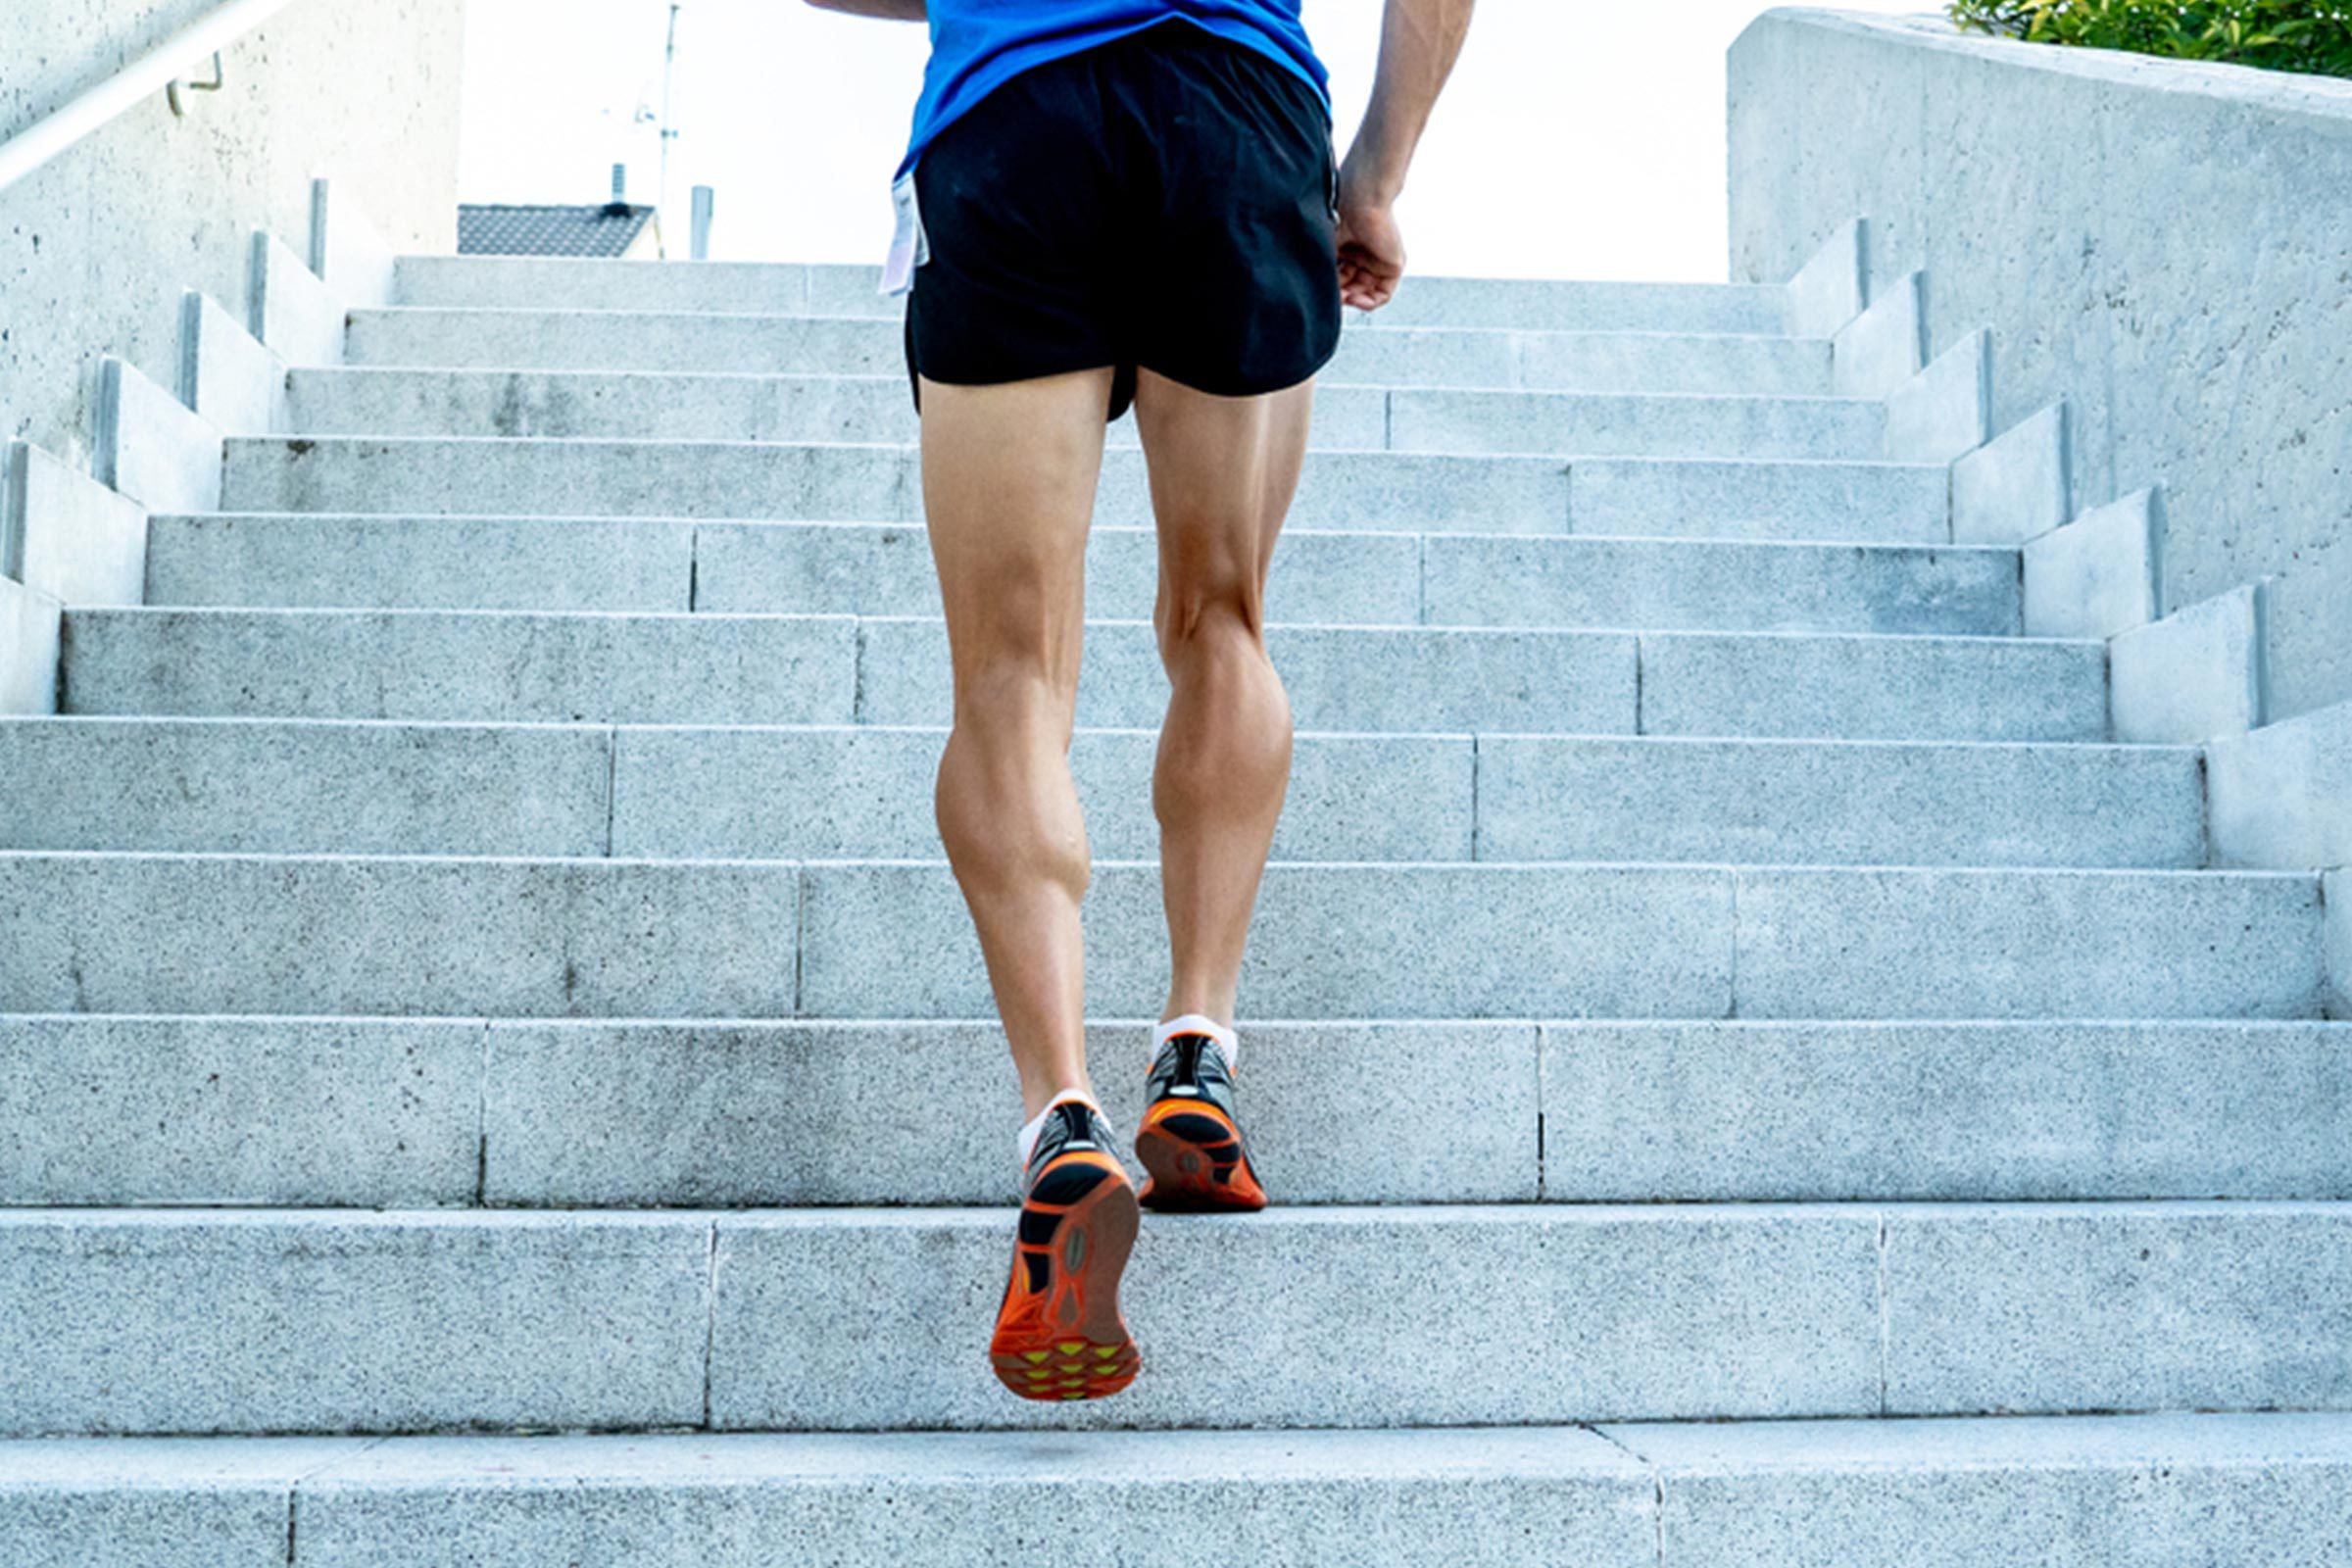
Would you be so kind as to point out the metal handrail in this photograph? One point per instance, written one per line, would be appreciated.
(159, 66)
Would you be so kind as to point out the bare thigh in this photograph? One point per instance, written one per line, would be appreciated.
(1008, 488)
(1223, 471)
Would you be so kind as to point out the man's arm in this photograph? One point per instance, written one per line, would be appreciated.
(1418, 42)
(887, 10)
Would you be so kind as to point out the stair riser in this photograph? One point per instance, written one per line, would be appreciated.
(1575, 306)
(832, 1320)
(711, 669)
(577, 284)
(769, 940)
(792, 288)
(668, 793)
(1158, 1521)
(535, 337)
(1637, 427)
(655, 669)
(2154, 1513)
(352, 789)
(366, 788)
(338, 560)
(826, 484)
(1653, 941)
(1545, 798)
(1595, 361)
(2129, 1492)
(2032, 1111)
(456, 1113)
(235, 1323)
(1877, 502)
(775, 345)
(1717, 586)
(405, 1113)
(683, 406)
(1394, 798)
(1516, 1317)
(1866, 503)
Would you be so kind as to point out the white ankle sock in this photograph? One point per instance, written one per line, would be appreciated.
(1036, 1127)
(1200, 1023)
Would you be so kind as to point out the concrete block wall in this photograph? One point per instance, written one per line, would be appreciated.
(2163, 258)
(97, 246)
(2167, 246)
(75, 539)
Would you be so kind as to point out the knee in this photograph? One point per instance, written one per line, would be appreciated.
(1204, 626)
(1012, 695)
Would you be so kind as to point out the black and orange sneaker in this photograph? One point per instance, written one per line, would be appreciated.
(1059, 1334)
(1189, 1141)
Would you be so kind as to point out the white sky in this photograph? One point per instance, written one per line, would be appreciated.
(1577, 140)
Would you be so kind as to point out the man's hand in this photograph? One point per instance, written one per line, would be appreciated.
(1371, 247)
(1418, 42)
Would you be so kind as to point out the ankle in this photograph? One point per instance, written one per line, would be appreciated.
(1197, 1023)
(1038, 1099)
(1025, 1142)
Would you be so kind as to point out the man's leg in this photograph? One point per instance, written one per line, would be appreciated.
(1223, 470)
(1009, 485)
(1008, 488)
(1222, 474)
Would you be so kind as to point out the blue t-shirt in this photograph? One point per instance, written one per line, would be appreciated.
(976, 45)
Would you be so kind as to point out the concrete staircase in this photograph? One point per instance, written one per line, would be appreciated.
(489, 1050)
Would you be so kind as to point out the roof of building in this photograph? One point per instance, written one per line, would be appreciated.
(502, 230)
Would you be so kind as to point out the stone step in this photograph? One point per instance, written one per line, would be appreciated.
(1597, 424)
(1331, 578)
(837, 669)
(1577, 305)
(1879, 502)
(123, 932)
(370, 787)
(1599, 797)
(539, 338)
(2126, 1491)
(819, 289)
(294, 1321)
(691, 407)
(403, 1112)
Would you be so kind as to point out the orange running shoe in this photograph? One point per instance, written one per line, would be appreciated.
(1189, 1141)
(1059, 1334)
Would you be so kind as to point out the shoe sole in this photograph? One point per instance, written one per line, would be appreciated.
(1059, 1333)
(1193, 1154)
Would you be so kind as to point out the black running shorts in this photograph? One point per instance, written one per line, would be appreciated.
(1167, 200)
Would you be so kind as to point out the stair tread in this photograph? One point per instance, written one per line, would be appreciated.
(896, 385)
(1760, 744)
(314, 612)
(308, 443)
(1169, 1455)
(1306, 1219)
(1374, 327)
(1678, 869)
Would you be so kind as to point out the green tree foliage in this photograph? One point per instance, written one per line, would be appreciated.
(2307, 35)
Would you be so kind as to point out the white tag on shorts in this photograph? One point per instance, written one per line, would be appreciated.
(909, 247)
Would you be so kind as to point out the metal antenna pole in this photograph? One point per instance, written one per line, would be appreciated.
(669, 131)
